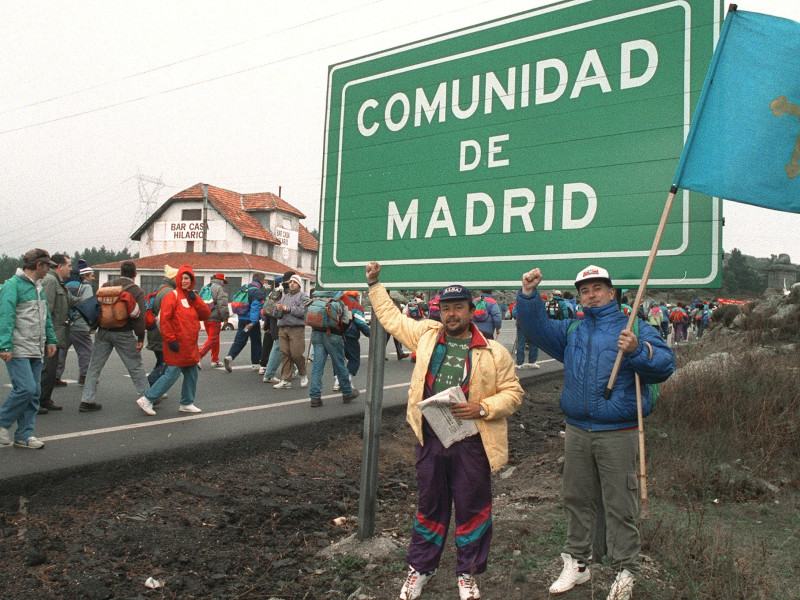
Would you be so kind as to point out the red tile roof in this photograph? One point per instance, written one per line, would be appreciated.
(269, 201)
(306, 240)
(213, 261)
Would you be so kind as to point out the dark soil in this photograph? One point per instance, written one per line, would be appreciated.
(248, 519)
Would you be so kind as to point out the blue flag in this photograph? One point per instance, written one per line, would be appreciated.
(744, 142)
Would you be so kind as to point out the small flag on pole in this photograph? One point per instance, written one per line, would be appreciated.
(744, 142)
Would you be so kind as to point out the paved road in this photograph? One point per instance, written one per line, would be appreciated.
(234, 404)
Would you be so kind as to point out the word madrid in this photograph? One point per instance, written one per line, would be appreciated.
(515, 92)
(479, 212)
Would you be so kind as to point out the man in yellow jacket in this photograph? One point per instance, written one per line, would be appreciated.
(449, 353)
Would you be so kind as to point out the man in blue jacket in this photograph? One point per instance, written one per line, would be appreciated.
(601, 438)
(249, 326)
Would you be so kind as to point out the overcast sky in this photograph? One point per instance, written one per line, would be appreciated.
(99, 99)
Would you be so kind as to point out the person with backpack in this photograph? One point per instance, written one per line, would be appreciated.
(679, 318)
(358, 325)
(249, 322)
(487, 316)
(179, 320)
(80, 332)
(329, 318)
(290, 311)
(125, 335)
(217, 301)
(557, 307)
(155, 342)
(270, 345)
(601, 443)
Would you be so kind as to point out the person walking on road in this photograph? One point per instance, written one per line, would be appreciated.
(601, 441)
(291, 333)
(59, 303)
(219, 315)
(352, 347)
(155, 342)
(26, 336)
(452, 353)
(80, 332)
(249, 326)
(127, 340)
(181, 312)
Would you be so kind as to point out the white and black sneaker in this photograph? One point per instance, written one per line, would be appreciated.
(415, 581)
(575, 572)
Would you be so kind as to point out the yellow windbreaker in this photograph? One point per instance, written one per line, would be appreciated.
(493, 382)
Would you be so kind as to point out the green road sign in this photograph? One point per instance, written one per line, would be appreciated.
(549, 138)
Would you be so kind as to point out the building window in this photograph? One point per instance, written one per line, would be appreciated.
(190, 246)
(287, 223)
(150, 283)
(192, 214)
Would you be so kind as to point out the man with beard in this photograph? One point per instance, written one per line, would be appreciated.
(452, 353)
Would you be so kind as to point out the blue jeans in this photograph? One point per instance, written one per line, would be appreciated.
(533, 349)
(328, 345)
(254, 335)
(158, 369)
(22, 403)
(169, 377)
(352, 352)
(274, 362)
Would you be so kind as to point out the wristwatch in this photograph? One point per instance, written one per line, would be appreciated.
(483, 411)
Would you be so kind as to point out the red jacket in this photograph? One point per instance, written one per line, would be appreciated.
(179, 321)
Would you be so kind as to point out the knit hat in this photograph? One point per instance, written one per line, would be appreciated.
(83, 268)
(170, 272)
(296, 279)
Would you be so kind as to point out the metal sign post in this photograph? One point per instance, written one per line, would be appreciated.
(368, 492)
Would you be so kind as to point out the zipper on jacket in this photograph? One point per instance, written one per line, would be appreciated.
(586, 376)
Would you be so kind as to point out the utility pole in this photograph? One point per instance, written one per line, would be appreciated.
(205, 216)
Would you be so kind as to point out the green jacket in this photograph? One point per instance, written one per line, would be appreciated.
(59, 301)
(25, 324)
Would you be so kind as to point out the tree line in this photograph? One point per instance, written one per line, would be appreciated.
(92, 256)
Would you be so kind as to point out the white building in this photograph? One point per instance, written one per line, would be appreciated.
(246, 234)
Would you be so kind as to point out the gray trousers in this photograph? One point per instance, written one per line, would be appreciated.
(600, 470)
(124, 342)
(82, 341)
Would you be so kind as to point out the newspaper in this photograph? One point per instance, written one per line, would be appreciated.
(448, 429)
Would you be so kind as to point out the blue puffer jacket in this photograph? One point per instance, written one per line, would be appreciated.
(588, 354)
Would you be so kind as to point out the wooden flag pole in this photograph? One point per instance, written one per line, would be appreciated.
(643, 284)
(644, 508)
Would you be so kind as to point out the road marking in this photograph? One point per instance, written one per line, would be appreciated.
(207, 415)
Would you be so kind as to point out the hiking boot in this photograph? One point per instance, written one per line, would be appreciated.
(262, 370)
(468, 587)
(82, 380)
(315, 402)
(146, 406)
(42, 411)
(353, 395)
(60, 383)
(228, 361)
(623, 586)
(304, 381)
(31, 443)
(415, 581)
(89, 406)
(50, 406)
(575, 572)
(336, 386)
(189, 408)
(283, 385)
(403, 355)
(5, 438)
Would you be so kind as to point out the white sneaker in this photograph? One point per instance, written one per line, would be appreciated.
(304, 381)
(262, 370)
(468, 587)
(574, 573)
(189, 408)
(228, 362)
(535, 365)
(271, 380)
(146, 406)
(415, 581)
(519, 366)
(5, 438)
(31, 443)
(216, 364)
(283, 385)
(336, 386)
(257, 368)
(623, 586)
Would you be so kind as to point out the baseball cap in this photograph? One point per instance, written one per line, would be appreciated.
(592, 272)
(35, 256)
(455, 292)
